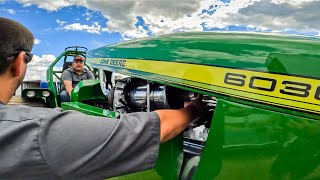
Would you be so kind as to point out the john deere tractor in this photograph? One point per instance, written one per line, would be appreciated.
(45, 93)
(262, 93)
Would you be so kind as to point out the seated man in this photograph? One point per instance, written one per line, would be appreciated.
(72, 76)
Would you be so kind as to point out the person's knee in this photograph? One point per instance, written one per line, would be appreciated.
(64, 96)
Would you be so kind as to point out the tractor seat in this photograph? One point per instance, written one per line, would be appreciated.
(66, 65)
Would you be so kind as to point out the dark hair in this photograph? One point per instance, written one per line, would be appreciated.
(13, 37)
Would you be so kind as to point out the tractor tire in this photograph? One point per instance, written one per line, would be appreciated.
(18, 100)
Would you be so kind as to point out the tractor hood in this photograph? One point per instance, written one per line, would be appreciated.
(290, 55)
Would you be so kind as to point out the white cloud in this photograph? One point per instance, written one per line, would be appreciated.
(118, 12)
(37, 69)
(121, 14)
(38, 66)
(158, 15)
(88, 15)
(223, 11)
(295, 2)
(137, 33)
(168, 16)
(281, 15)
(48, 5)
(60, 22)
(95, 28)
(11, 11)
(37, 41)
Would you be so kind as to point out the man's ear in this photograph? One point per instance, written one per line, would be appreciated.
(16, 66)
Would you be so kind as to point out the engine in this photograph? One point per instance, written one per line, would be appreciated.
(136, 95)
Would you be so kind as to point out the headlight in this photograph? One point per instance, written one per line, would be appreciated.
(45, 93)
(31, 94)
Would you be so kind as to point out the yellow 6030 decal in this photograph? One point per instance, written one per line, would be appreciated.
(287, 87)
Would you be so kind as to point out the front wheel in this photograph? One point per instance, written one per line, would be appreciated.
(103, 82)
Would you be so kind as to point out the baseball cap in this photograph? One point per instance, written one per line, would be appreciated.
(78, 58)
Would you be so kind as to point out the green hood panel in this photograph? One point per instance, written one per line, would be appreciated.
(292, 55)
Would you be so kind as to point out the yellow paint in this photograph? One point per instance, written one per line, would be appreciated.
(212, 78)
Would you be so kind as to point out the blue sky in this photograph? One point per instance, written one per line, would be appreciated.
(53, 39)
(57, 24)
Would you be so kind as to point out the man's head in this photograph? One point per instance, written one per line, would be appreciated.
(16, 43)
(78, 63)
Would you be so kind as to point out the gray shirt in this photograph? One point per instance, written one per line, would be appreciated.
(38, 143)
(74, 77)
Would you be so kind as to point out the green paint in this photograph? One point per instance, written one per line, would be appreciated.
(170, 159)
(246, 142)
(87, 89)
(88, 109)
(259, 52)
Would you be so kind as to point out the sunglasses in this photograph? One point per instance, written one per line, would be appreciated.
(27, 53)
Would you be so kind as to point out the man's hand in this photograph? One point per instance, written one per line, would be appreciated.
(173, 122)
(196, 106)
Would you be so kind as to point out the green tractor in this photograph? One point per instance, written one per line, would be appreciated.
(262, 93)
(39, 93)
(54, 72)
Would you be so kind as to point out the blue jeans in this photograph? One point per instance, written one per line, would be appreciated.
(64, 96)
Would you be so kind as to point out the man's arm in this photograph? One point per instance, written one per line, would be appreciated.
(67, 80)
(68, 85)
(76, 145)
(173, 122)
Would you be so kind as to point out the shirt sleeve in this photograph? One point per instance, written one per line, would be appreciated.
(76, 145)
(66, 75)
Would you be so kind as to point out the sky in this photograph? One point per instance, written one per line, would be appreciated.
(57, 24)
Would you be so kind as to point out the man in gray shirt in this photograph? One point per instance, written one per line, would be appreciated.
(72, 76)
(37, 143)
